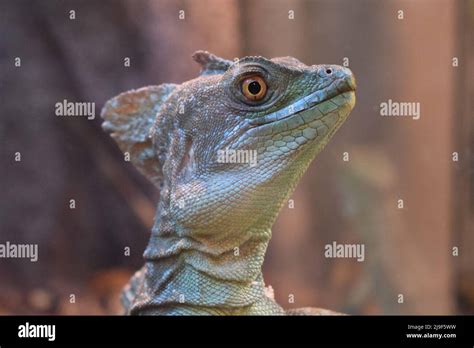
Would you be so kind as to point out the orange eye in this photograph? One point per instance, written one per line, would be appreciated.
(254, 88)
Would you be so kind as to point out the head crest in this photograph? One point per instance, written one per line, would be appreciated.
(210, 63)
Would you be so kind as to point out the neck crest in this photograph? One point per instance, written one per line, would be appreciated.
(185, 276)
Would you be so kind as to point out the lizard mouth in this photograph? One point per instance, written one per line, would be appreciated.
(308, 104)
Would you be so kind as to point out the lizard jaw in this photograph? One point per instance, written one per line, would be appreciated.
(328, 114)
(310, 102)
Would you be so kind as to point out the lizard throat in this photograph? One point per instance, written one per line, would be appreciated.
(182, 276)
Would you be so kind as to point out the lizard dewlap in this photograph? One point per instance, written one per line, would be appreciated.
(225, 150)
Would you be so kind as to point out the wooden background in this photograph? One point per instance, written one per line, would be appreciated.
(408, 251)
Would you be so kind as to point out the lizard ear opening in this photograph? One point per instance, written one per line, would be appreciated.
(129, 117)
(210, 63)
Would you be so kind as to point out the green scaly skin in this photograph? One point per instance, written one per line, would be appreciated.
(214, 219)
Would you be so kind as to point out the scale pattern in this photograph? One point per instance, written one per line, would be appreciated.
(196, 142)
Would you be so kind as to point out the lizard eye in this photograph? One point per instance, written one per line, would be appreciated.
(254, 88)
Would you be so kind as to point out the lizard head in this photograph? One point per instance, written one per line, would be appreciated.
(228, 147)
(254, 125)
(226, 150)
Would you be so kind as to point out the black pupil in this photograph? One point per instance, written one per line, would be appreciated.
(254, 87)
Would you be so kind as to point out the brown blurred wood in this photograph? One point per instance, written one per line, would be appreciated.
(426, 182)
(463, 201)
(82, 60)
(408, 251)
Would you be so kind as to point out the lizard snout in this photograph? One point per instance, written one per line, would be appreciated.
(349, 78)
(345, 78)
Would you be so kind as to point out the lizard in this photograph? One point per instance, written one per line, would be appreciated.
(214, 215)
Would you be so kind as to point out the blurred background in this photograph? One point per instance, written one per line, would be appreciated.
(409, 251)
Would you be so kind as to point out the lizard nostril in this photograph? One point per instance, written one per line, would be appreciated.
(329, 71)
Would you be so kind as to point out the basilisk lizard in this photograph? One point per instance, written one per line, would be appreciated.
(214, 217)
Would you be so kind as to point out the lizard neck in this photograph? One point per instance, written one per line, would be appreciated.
(185, 275)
